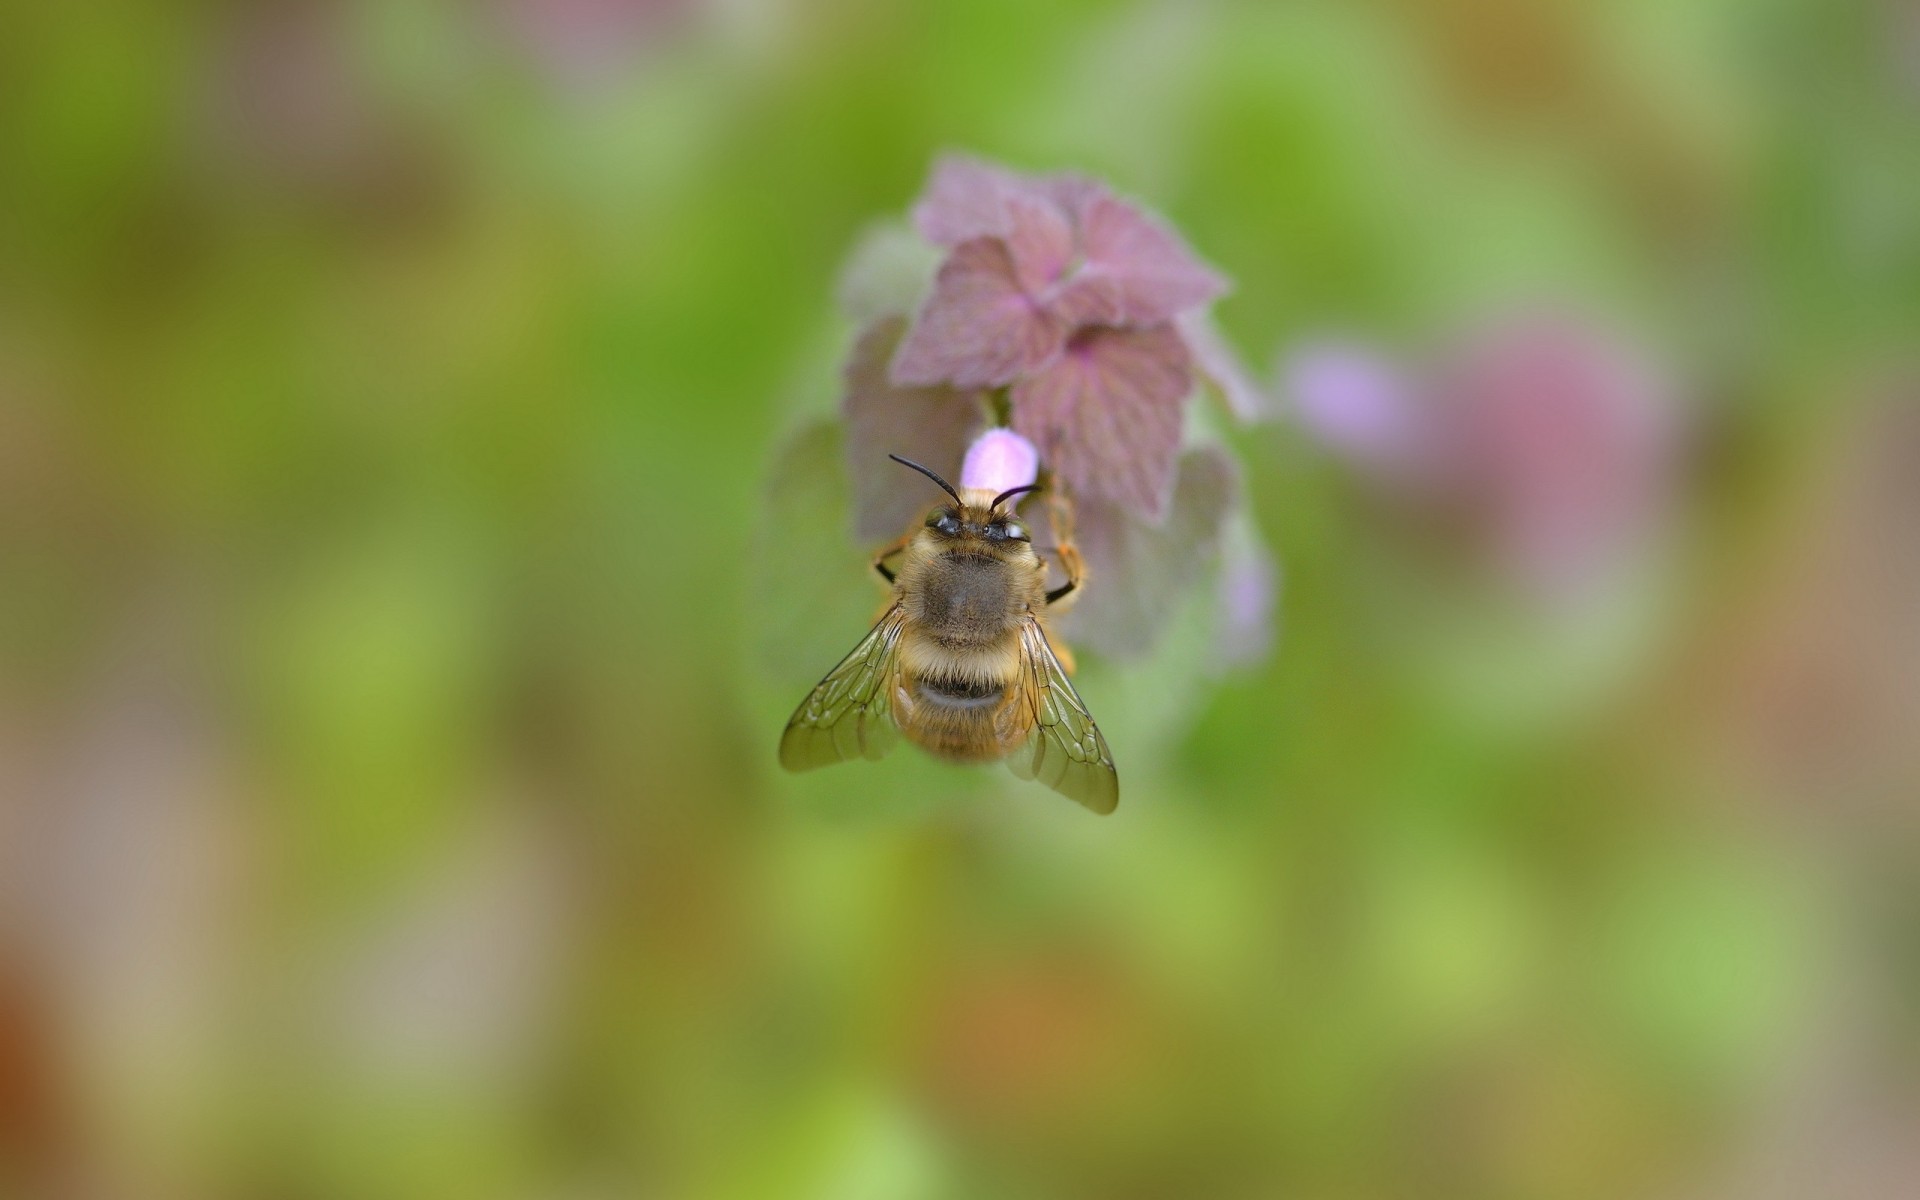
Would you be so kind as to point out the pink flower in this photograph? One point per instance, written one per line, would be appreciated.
(1567, 443)
(1357, 402)
(1080, 304)
(1551, 442)
(998, 461)
(582, 43)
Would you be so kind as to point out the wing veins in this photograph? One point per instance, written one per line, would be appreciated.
(1066, 750)
(847, 714)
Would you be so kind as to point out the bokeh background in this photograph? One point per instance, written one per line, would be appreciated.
(400, 600)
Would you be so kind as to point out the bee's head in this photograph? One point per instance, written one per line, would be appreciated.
(987, 521)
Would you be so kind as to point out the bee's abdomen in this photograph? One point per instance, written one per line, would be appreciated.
(959, 693)
(961, 706)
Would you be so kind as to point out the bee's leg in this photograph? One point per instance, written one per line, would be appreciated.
(886, 552)
(1075, 569)
(1060, 516)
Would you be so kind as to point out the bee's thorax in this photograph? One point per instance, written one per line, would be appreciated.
(968, 594)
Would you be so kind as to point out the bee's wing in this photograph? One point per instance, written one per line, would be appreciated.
(847, 715)
(1065, 750)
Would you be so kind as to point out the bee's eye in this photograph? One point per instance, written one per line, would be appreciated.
(944, 522)
(1016, 531)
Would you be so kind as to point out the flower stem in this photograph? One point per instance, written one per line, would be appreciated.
(1000, 405)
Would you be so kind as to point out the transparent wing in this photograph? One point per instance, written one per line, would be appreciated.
(1065, 750)
(847, 715)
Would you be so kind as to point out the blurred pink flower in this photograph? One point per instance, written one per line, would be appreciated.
(1565, 443)
(588, 42)
(1551, 439)
(285, 96)
(1356, 401)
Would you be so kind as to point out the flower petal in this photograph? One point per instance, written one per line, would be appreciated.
(1041, 240)
(1106, 414)
(1135, 270)
(1072, 191)
(978, 328)
(1356, 402)
(1137, 572)
(1000, 460)
(931, 425)
(964, 199)
(1568, 439)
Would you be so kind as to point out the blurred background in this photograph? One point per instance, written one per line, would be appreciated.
(400, 602)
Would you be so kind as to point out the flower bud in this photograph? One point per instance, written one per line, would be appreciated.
(1000, 460)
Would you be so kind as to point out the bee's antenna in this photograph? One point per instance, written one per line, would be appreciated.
(944, 485)
(1031, 487)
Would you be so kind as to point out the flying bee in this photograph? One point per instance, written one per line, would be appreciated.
(960, 661)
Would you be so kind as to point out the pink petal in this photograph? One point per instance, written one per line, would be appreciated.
(1089, 298)
(999, 460)
(1245, 398)
(978, 328)
(964, 199)
(1137, 573)
(1106, 414)
(1568, 440)
(1072, 191)
(1135, 270)
(931, 425)
(589, 42)
(1041, 240)
(1355, 401)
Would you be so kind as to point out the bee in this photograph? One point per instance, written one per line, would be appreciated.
(960, 662)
